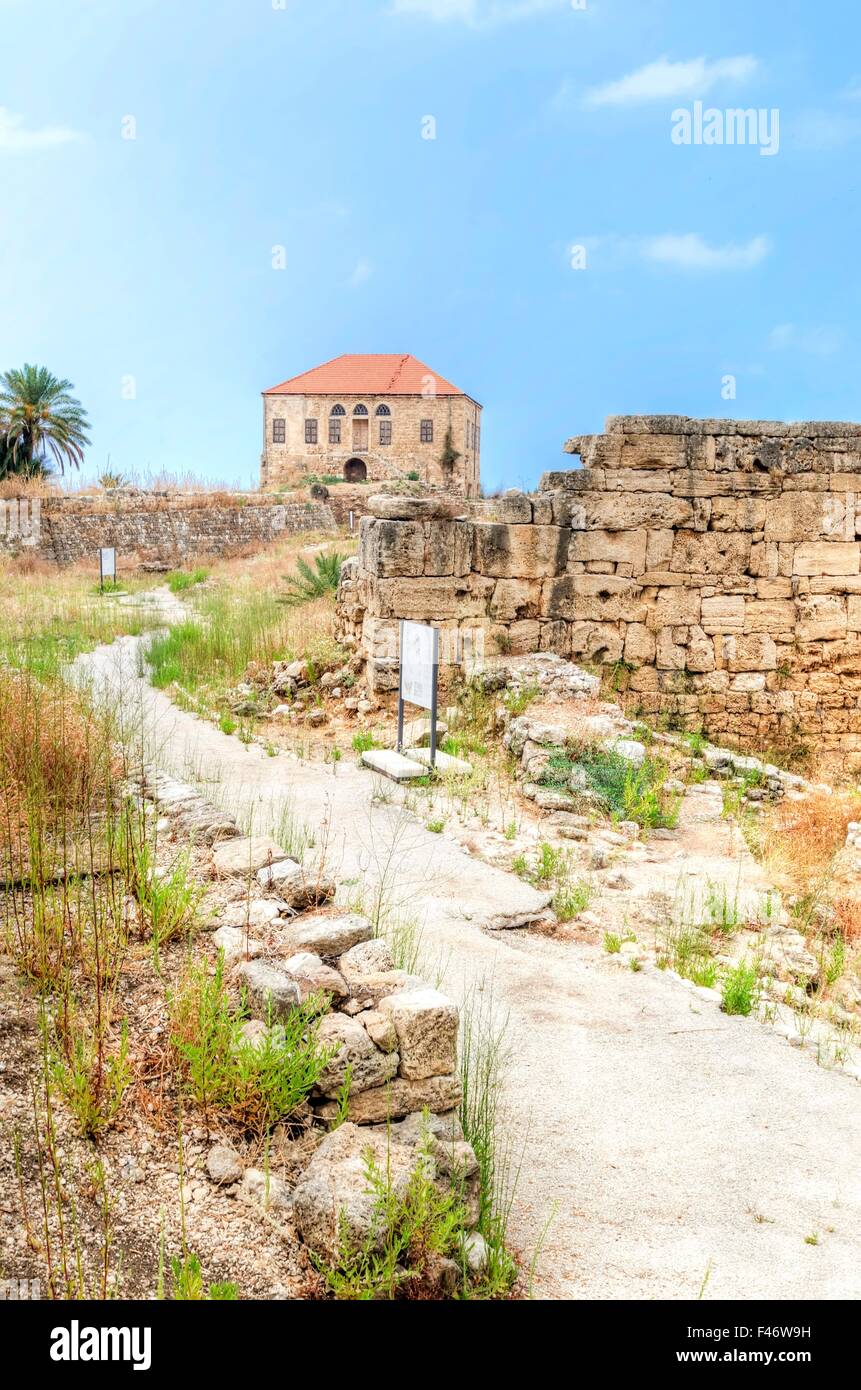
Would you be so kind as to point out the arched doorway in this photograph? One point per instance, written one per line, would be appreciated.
(355, 471)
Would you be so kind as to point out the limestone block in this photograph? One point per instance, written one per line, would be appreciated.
(738, 514)
(596, 641)
(753, 651)
(271, 991)
(629, 510)
(723, 614)
(515, 598)
(711, 552)
(640, 644)
(351, 1047)
(241, 857)
(426, 1024)
(821, 617)
(795, 516)
(614, 546)
(332, 1201)
(524, 636)
(670, 655)
(519, 552)
(769, 615)
(659, 549)
(701, 651)
(674, 607)
(512, 507)
(429, 599)
(448, 548)
(595, 597)
(326, 936)
(639, 480)
(388, 548)
(781, 587)
(395, 507)
(400, 1096)
(315, 978)
(827, 557)
(854, 613)
(653, 451)
(765, 559)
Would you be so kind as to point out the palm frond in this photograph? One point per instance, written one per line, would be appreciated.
(313, 582)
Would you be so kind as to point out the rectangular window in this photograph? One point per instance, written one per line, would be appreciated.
(385, 431)
(279, 431)
(310, 431)
(334, 431)
(477, 438)
(426, 432)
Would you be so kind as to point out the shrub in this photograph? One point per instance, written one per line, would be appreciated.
(740, 989)
(250, 1085)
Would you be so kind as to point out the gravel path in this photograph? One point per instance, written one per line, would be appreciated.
(666, 1143)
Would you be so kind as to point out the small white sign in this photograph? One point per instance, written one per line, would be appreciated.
(419, 656)
(108, 562)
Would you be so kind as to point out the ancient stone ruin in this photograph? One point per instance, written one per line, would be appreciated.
(715, 564)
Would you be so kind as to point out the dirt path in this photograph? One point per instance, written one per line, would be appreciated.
(666, 1140)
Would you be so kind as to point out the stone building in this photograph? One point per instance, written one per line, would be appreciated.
(375, 416)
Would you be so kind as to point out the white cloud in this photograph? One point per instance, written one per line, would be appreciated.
(663, 80)
(685, 252)
(477, 13)
(820, 342)
(362, 272)
(692, 252)
(15, 136)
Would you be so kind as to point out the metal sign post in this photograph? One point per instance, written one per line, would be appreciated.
(107, 565)
(418, 679)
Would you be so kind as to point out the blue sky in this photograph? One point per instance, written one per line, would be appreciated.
(142, 268)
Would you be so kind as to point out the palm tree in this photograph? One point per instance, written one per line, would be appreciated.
(38, 418)
(313, 583)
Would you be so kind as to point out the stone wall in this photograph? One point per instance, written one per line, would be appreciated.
(160, 530)
(716, 565)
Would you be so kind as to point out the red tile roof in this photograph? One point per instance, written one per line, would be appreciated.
(366, 374)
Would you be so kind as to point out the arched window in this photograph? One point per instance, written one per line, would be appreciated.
(337, 410)
(361, 410)
(382, 410)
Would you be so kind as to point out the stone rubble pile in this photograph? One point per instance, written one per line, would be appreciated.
(391, 1037)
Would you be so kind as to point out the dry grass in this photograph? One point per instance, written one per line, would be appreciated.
(801, 839)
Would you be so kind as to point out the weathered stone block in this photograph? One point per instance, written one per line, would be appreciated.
(629, 510)
(595, 597)
(769, 615)
(426, 1024)
(821, 617)
(615, 546)
(712, 552)
(388, 548)
(676, 607)
(753, 651)
(639, 644)
(515, 598)
(827, 557)
(242, 857)
(723, 614)
(519, 552)
(350, 1046)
